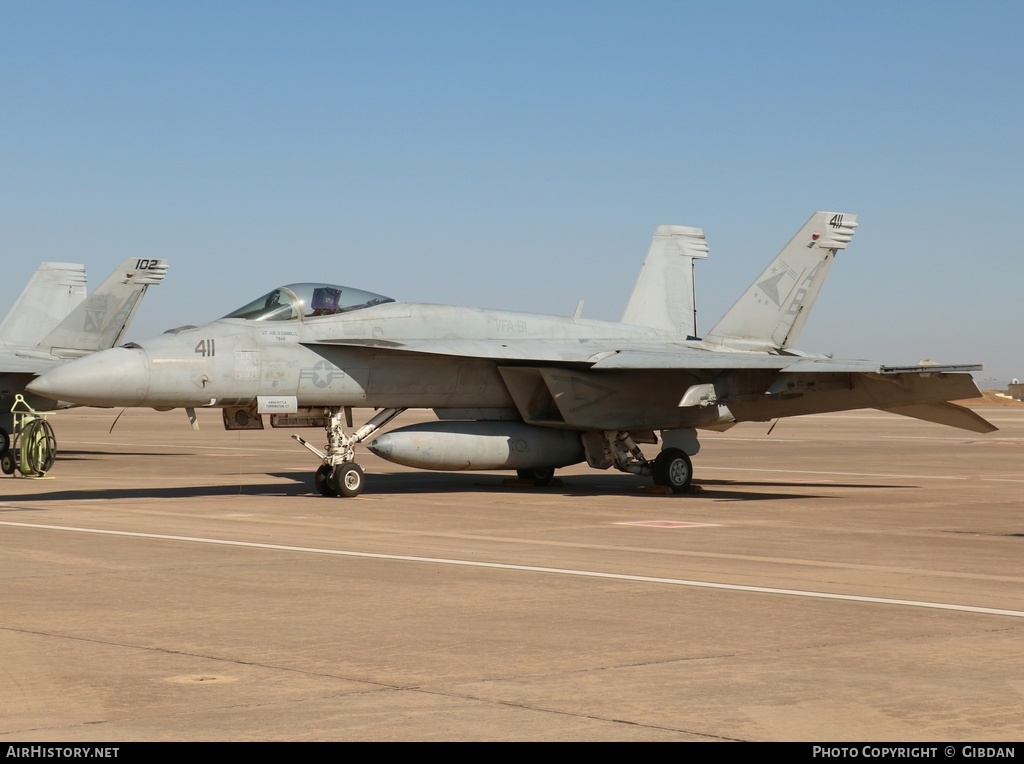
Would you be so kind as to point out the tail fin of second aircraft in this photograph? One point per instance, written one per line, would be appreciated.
(663, 296)
(54, 290)
(100, 321)
(772, 312)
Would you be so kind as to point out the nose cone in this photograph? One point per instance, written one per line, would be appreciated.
(382, 446)
(115, 377)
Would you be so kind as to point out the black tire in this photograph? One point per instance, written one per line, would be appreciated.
(38, 447)
(348, 479)
(322, 479)
(537, 475)
(5, 441)
(7, 462)
(674, 469)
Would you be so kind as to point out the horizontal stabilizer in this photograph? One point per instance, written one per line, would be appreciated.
(663, 297)
(946, 413)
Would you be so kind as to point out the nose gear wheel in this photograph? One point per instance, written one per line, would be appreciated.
(339, 475)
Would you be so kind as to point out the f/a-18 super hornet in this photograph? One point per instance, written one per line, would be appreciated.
(53, 321)
(520, 391)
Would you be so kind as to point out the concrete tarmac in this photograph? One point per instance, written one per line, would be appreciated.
(851, 577)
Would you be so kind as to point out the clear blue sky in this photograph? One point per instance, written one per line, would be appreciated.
(520, 154)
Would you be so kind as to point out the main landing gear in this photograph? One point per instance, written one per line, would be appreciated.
(672, 467)
(339, 475)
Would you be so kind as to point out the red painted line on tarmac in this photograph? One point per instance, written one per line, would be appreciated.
(670, 524)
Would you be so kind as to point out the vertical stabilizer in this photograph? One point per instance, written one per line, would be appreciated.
(54, 290)
(663, 296)
(772, 312)
(100, 321)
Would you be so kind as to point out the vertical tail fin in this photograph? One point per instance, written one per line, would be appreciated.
(100, 321)
(54, 290)
(772, 312)
(663, 295)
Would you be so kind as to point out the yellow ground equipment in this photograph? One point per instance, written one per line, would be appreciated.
(33, 446)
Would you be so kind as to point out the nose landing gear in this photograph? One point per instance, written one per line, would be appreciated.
(339, 475)
(345, 479)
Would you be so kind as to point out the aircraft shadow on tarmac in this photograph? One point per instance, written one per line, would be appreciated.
(408, 483)
(587, 485)
(86, 456)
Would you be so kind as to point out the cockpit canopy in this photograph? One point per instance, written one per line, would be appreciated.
(307, 300)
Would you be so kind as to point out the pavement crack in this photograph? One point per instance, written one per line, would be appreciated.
(201, 656)
(575, 715)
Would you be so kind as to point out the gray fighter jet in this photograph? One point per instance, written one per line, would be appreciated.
(53, 321)
(520, 391)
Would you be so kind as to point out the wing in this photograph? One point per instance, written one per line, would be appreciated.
(540, 351)
(596, 354)
(638, 356)
(28, 364)
(630, 385)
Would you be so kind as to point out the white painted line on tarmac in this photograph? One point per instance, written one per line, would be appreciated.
(872, 475)
(970, 439)
(1006, 411)
(844, 474)
(531, 569)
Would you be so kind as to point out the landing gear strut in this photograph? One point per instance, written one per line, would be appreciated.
(339, 475)
(672, 467)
